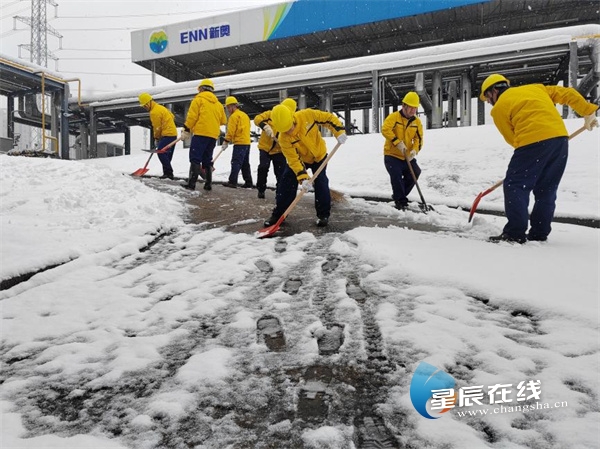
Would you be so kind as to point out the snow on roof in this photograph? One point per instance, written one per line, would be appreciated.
(408, 58)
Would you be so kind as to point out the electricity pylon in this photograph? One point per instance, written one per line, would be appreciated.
(38, 23)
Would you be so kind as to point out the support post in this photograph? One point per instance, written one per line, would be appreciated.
(452, 103)
(375, 101)
(465, 99)
(438, 101)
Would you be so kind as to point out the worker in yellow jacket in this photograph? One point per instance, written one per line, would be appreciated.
(269, 149)
(164, 131)
(203, 122)
(304, 148)
(403, 132)
(527, 118)
(238, 133)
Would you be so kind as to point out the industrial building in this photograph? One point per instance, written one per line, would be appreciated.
(351, 57)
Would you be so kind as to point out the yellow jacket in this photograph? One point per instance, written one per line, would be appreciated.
(266, 143)
(163, 121)
(238, 128)
(398, 128)
(527, 114)
(206, 115)
(305, 144)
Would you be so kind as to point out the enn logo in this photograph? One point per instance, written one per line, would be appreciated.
(200, 34)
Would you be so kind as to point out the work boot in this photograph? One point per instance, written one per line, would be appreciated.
(193, 177)
(261, 194)
(208, 179)
(230, 184)
(322, 222)
(248, 185)
(536, 238)
(167, 175)
(506, 238)
(271, 221)
(401, 205)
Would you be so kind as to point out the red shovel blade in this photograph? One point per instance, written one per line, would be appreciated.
(140, 172)
(271, 230)
(475, 204)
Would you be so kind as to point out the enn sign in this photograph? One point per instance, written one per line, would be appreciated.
(199, 34)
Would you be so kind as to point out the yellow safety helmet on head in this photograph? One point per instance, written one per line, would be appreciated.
(290, 103)
(230, 100)
(206, 84)
(411, 99)
(282, 118)
(490, 82)
(145, 98)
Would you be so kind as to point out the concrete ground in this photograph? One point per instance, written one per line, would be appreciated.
(240, 210)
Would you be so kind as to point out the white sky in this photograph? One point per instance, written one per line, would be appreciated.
(101, 320)
(96, 43)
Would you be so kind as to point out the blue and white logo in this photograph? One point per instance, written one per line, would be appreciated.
(425, 379)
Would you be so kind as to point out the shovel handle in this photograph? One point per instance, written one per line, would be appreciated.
(166, 147)
(269, 231)
(499, 183)
(311, 180)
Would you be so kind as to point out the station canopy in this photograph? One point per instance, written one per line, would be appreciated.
(302, 32)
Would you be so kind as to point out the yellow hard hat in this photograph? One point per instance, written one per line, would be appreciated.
(290, 103)
(490, 81)
(411, 99)
(145, 98)
(206, 83)
(282, 118)
(230, 100)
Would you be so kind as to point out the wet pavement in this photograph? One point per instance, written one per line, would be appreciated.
(241, 211)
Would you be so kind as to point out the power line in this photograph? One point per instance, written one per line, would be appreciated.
(105, 74)
(89, 49)
(10, 15)
(98, 29)
(62, 58)
(130, 15)
(221, 10)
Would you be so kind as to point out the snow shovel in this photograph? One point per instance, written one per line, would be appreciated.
(202, 172)
(336, 195)
(481, 195)
(269, 231)
(422, 205)
(144, 170)
(499, 183)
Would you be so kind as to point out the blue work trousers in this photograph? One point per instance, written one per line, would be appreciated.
(539, 168)
(400, 177)
(264, 164)
(288, 186)
(201, 150)
(240, 160)
(166, 158)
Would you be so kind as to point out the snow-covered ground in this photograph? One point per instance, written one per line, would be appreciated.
(117, 347)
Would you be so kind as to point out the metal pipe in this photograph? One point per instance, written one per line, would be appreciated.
(52, 77)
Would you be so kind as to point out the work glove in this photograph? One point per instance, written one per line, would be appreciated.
(402, 147)
(224, 145)
(409, 155)
(185, 135)
(305, 186)
(590, 122)
(342, 138)
(269, 131)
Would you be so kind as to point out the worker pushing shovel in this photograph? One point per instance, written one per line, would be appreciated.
(304, 148)
(527, 118)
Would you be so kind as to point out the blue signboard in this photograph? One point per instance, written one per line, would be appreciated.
(310, 16)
